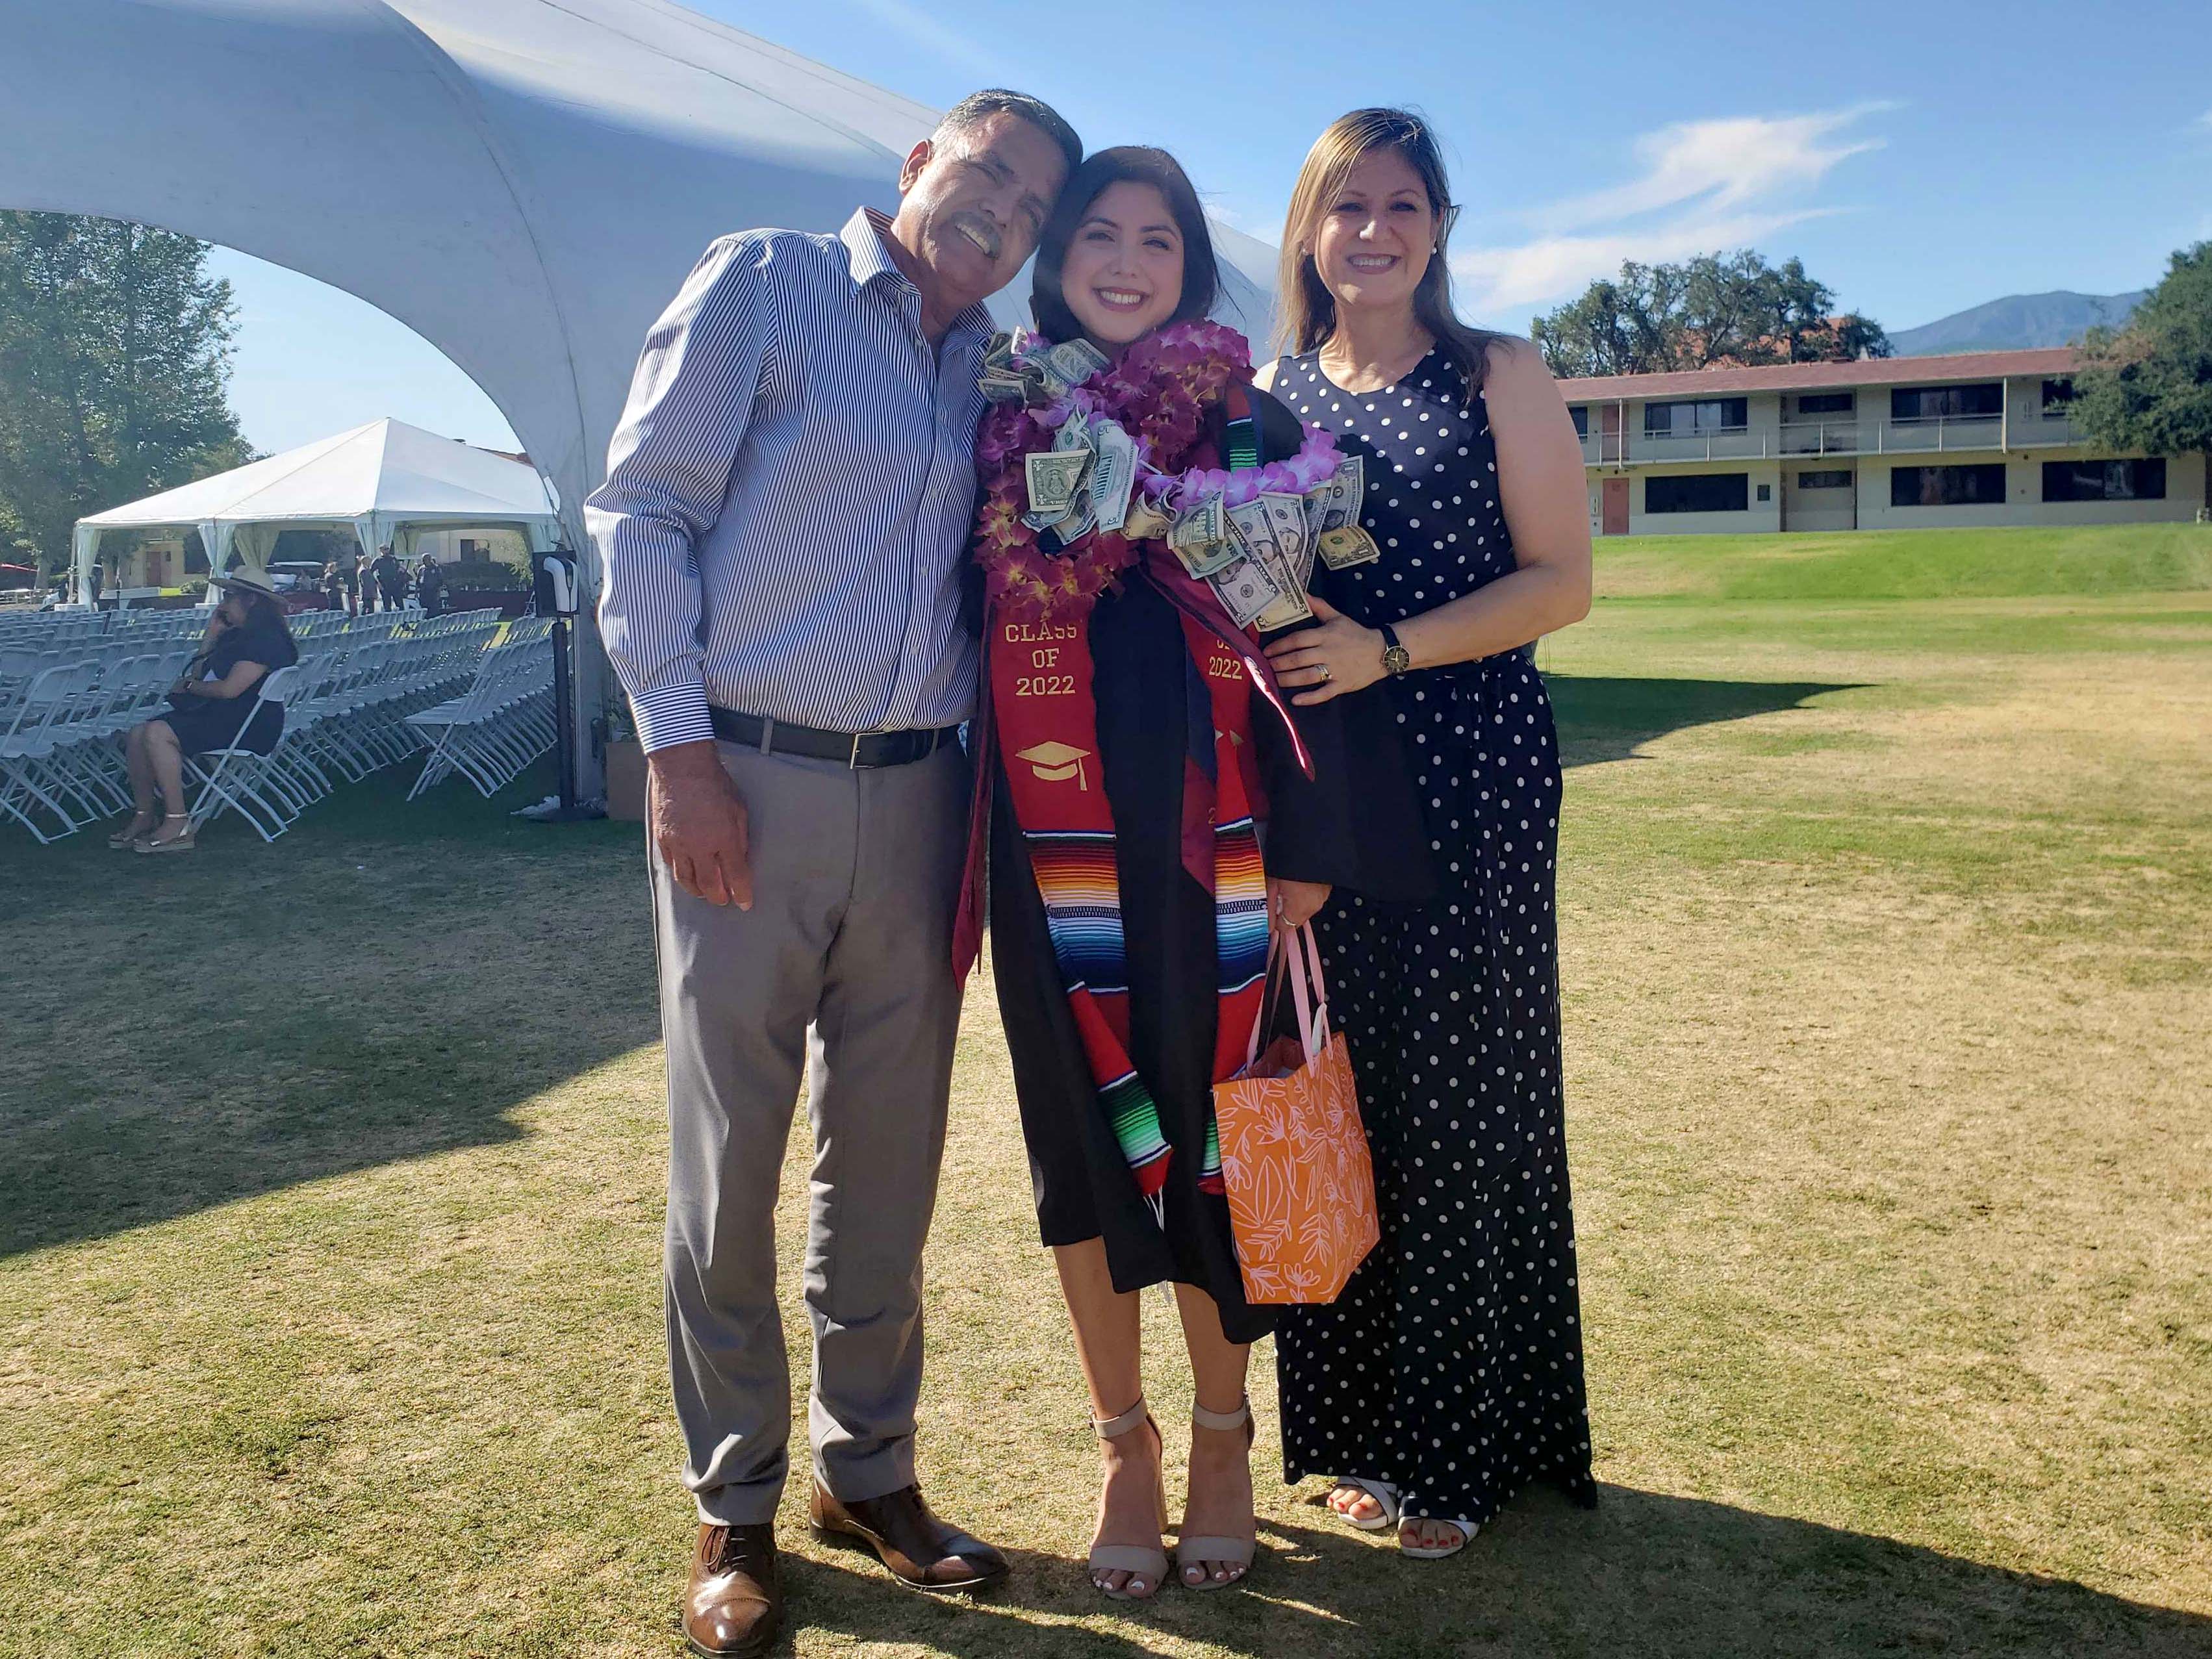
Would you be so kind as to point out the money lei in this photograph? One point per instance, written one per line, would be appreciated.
(1156, 394)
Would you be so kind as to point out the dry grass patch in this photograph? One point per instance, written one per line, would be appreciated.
(330, 1316)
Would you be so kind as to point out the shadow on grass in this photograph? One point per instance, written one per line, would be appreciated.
(1645, 1575)
(387, 979)
(1602, 719)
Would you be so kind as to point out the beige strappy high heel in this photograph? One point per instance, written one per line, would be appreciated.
(1233, 1552)
(1146, 1565)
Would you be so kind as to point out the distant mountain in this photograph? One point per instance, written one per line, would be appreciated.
(2017, 322)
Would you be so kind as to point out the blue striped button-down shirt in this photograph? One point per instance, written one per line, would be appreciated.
(789, 496)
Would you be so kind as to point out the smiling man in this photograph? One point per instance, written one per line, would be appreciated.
(783, 530)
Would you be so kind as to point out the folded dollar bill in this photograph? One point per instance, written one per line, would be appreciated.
(1347, 545)
(1199, 537)
(1115, 477)
(1053, 476)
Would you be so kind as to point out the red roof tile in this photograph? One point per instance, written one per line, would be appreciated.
(1813, 377)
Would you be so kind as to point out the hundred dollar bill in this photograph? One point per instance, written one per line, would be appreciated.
(1053, 476)
(1116, 475)
(1347, 545)
(1200, 540)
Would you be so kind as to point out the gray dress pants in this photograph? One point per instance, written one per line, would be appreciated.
(842, 967)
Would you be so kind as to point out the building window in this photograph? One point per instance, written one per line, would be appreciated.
(2105, 481)
(1938, 402)
(1690, 420)
(1766, 492)
(1699, 492)
(1946, 486)
(2057, 397)
(1837, 479)
(1826, 403)
(1580, 412)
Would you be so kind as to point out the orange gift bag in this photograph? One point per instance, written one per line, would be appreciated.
(1293, 1150)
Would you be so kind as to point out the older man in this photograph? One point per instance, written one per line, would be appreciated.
(782, 531)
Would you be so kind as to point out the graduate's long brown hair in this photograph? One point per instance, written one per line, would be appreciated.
(1309, 309)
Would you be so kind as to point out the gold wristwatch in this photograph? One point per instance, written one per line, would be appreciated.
(1396, 660)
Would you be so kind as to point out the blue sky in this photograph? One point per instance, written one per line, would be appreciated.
(1920, 158)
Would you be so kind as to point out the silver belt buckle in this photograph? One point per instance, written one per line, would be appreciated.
(853, 759)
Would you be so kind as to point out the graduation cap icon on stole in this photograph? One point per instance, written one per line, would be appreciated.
(1055, 762)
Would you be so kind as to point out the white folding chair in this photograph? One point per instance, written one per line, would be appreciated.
(251, 785)
(30, 776)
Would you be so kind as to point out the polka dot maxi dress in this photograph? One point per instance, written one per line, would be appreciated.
(1451, 1366)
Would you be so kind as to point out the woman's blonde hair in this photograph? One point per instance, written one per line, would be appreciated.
(1309, 309)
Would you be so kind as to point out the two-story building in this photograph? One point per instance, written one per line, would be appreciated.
(1888, 443)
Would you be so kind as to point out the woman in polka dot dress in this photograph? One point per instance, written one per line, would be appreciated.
(1449, 1374)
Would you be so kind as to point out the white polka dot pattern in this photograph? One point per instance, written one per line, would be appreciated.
(1451, 1366)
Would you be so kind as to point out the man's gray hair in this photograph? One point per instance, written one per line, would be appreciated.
(978, 108)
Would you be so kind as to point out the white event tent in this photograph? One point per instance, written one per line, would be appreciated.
(388, 481)
(522, 182)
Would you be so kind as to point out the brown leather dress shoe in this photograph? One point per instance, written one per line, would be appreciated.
(735, 1601)
(923, 1551)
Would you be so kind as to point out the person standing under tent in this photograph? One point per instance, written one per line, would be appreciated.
(391, 578)
(783, 533)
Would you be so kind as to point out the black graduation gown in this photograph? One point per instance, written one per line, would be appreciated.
(1357, 824)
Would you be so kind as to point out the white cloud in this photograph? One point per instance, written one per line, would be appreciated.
(1503, 278)
(1719, 164)
(1703, 186)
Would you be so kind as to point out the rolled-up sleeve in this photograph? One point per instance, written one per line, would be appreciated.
(669, 472)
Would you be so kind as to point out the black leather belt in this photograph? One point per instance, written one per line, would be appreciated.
(849, 748)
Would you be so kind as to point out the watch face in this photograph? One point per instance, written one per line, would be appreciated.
(1397, 660)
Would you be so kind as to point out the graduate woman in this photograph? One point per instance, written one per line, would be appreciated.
(1149, 811)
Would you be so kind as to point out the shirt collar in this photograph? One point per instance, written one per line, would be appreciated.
(863, 236)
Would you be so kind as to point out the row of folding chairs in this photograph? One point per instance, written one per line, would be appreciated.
(61, 758)
(499, 726)
(162, 630)
(347, 703)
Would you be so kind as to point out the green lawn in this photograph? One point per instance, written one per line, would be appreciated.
(331, 1190)
(1913, 564)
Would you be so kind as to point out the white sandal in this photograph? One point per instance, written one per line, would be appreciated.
(1381, 1491)
(1143, 1564)
(1233, 1552)
(1437, 1551)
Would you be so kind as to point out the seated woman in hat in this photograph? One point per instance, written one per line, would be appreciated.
(211, 708)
